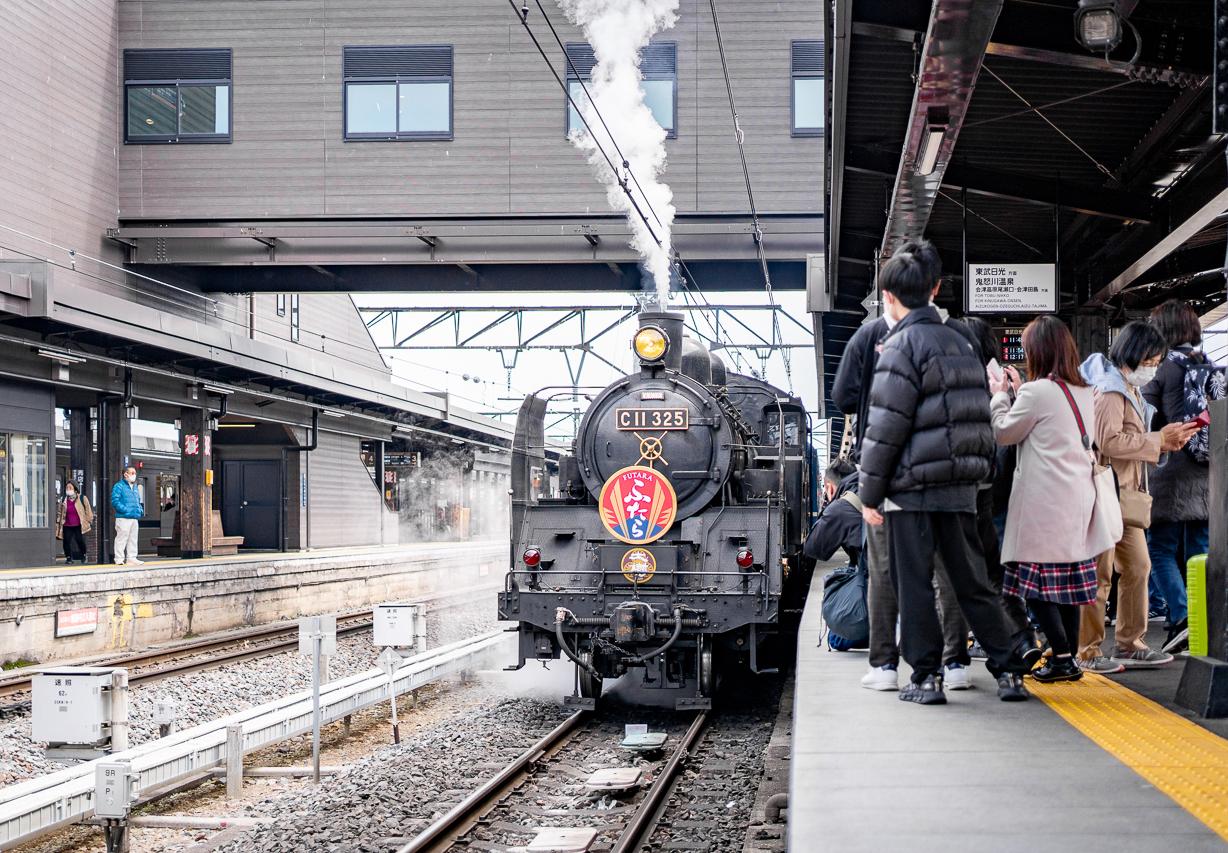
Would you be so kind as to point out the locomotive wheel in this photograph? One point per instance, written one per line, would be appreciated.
(590, 686)
(707, 671)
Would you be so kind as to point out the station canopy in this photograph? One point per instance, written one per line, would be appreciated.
(989, 128)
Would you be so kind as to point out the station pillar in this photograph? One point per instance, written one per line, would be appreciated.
(114, 454)
(195, 501)
(80, 461)
(1204, 681)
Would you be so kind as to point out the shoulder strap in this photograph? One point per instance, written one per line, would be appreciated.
(854, 499)
(1087, 442)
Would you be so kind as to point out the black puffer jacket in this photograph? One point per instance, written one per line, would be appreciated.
(929, 430)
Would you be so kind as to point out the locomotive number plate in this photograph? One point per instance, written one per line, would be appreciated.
(644, 418)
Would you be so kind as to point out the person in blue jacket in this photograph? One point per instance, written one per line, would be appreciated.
(129, 510)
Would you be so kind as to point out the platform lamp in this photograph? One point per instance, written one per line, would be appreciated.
(1098, 25)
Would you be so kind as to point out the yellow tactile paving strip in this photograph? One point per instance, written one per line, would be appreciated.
(1186, 762)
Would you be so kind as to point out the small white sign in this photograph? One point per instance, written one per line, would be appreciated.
(311, 626)
(395, 624)
(165, 709)
(82, 620)
(1010, 289)
(635, 730)
(389, 661)
(112, 789)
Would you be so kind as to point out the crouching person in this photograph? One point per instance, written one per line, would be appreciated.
(928, 443)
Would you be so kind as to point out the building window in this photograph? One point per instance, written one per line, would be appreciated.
(398, 92)
(177, 96)
(294, 318)
(281, 305)
(808, 104)
(659, 67)
(23, 480)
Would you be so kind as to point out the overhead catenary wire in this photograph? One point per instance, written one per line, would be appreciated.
(523, 17)
(740, 137)
(583, 85)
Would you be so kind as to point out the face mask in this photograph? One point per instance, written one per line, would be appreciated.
(130, 478)
(1141, 376)
(71, 494)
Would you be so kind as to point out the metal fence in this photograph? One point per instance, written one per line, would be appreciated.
(38, 806)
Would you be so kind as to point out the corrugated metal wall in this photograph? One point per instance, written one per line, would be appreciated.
(345, 506)
(60, 102)
(508, 155)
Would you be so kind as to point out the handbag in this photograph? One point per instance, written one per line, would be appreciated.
(1136, 505)
(1107, 511)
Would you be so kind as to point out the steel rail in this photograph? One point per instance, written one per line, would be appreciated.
(441, 834)
(645, 819)
(147, 658)
(37, 806)
(22, 683)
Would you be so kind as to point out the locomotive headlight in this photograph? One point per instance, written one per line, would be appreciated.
(532, 557)
(745, 558)
(650, 343)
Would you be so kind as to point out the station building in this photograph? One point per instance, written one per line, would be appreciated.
(192, 189)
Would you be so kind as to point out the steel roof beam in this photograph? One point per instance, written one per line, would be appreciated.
(1048, 56)
(951, 56)
(837, 55)
(1091, 200)
(1172, 240)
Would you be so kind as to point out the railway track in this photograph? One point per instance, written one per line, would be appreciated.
(546, 771)
(212, 652)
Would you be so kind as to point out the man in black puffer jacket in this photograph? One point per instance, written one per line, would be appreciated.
(928, 443)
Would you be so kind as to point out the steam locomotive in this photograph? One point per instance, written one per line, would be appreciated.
(673, 545)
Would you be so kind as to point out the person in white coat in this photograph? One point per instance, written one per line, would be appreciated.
(1051, 543)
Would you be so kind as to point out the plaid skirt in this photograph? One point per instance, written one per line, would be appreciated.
(1061, 583)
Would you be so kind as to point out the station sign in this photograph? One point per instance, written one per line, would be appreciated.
(1002, 288)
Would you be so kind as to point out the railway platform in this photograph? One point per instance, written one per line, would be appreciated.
(60, 612)
(1103, 764)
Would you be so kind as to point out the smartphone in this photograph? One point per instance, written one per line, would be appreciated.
(1203, 419)
(995, 370)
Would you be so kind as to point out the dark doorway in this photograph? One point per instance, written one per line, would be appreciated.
(251, 502)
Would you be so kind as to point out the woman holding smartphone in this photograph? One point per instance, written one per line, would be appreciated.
(1050, 546)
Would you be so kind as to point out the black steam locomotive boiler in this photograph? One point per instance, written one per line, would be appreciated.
(672, 543)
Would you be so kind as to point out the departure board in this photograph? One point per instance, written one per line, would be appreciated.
(1011, 340)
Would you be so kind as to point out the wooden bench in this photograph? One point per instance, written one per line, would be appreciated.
(220, 544)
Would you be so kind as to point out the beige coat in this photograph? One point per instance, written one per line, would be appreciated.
(84, 512)
(1122, 439)
(1052, 496)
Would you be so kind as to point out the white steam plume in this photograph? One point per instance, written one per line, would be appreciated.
(618, 30)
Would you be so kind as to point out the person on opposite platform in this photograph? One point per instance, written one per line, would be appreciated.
(73, 520)
(927, 446)
(851, 393)
(1180, 488)
(129, 510)
(1125, 440)
(1051, 544)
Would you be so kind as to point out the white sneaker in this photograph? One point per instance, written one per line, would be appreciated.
(881, 678)
(135, 563)
(955, 676)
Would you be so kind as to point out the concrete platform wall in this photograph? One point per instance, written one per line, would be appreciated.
(153, 604)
